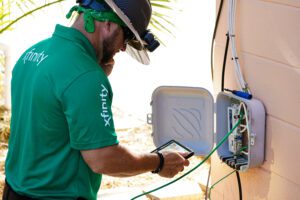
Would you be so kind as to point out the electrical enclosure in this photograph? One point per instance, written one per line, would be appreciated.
(186, 114)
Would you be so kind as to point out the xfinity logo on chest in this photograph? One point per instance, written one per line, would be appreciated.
(104, 114)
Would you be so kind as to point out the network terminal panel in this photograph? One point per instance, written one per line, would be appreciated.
(186, 114)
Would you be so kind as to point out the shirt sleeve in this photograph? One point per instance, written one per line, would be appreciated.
(87, 105)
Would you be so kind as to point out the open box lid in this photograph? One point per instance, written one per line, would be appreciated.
(184, 114)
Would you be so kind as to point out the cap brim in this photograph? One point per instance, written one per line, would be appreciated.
(134, 48)
(141, 56)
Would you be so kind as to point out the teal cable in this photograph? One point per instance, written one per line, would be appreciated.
(242, 149)
(219, 182)
(197, 166)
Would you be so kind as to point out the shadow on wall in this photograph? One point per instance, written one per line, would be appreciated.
(261, 175)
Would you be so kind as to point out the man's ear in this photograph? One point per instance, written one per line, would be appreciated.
(107, 26)
(103, 27)
(110, 27)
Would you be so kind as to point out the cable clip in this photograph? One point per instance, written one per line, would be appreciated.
(241, 94)
(252, 138)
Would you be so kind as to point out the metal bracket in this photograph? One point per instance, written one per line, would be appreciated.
(252, 138)
(149, 118)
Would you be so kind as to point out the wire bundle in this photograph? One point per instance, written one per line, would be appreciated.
(231, 33)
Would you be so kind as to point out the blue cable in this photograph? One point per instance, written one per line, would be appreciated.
(241, 94)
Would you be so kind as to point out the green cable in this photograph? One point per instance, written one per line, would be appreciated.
(219, 182)
(243, 148)
(197, 166)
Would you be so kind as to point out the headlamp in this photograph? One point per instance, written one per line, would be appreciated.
(151, 42)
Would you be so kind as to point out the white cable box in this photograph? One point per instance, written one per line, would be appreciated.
(186, 114)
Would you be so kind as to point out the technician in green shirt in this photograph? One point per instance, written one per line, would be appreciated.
(62, 131)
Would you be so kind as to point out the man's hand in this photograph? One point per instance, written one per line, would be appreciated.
(174, 163)
(119, 161)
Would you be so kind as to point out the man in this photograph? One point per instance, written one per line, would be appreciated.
(62, 131)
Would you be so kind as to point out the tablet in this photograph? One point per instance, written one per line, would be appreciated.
(174, 146)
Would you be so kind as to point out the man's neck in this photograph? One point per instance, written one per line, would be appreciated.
(94, 37)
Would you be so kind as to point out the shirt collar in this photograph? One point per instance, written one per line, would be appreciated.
(75, 35)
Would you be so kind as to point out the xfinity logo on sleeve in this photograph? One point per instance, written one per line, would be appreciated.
(36, 57)
(104, 114)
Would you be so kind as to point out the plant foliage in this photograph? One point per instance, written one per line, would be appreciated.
(12, 11)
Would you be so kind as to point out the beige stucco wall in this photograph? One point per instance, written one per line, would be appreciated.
(268, 42)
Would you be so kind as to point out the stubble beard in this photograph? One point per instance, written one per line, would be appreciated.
(107, 53)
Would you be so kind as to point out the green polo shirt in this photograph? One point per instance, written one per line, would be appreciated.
(61, 104)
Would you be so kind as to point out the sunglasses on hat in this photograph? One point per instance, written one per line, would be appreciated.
(127, 34)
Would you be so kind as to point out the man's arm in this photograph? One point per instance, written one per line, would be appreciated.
(117, 160)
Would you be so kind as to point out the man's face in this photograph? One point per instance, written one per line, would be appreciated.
(112, 45)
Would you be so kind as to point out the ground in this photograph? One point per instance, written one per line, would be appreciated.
(3, 151)
(139, 139)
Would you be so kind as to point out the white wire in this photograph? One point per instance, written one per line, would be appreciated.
(231, 31)
(246, 116)
(232, 41)
(243, 130)
(236, 61)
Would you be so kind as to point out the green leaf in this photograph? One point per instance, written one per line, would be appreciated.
(161, 19)
(28, 13)
(161, 6)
